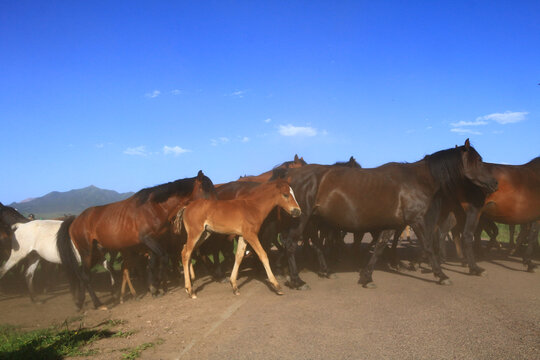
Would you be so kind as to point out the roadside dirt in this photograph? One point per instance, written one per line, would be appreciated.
(408, 316)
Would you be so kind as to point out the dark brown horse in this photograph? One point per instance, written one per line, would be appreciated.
(140, 221)
(10, 216)
(242, 217)
(6, 235)
(387, 197)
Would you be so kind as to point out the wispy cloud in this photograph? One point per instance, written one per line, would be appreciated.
(465, 131)
(477, 122)
(100, 146)
(238, 93)
(219, 141)
(291, 130)
(267, 120)
(245, 139)
(153, 94)
(174, 150)
(139, 150)
(507, 117)
(176, 92)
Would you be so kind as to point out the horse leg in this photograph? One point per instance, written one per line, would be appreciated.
(511, 233)
(290, 242)
(380, 239)
(426, 235)
(316, 242)
(186, 259)
(33, 262)
(394, 260)
(160, 263)
(533, 242)
(253, 240)
(14, 258)
(471, 222)
(240, 251)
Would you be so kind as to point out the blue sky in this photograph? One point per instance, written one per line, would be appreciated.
(125, 95)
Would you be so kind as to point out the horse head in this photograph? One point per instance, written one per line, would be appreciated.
(286, 198)
(203, 188)
(475, 170)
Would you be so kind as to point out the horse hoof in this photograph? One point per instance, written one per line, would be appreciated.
(478, 272)
(279, 292)
(369, 285)
(532, 268)
(323, 275)
(303, 287)
(236, 292)
(193, 296)
(332, 276)
(102, 308)
(445, 282)
(412, 267)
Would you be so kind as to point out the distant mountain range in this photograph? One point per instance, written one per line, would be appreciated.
(57, 204)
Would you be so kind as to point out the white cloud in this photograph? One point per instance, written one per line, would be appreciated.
(176, 92)
(153, 94)
(477, 122)
(267, 120)
(245, 139)
(238, 93)
(100, 146)
(508, 117)
(139, 150)
(174, 150)
(220, 141)
(465, 131)
(291, 130)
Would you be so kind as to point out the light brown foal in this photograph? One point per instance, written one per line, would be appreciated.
(243, 217)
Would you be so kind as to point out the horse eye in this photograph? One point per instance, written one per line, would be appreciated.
(286, 195)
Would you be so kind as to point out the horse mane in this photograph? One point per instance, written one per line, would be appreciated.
(279, 173)
(11, 216)
(352, 163)
(534, 162)
(161, 193)
(446, 167)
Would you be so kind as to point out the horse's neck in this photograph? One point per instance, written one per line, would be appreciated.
(264, 201)
(174, 204)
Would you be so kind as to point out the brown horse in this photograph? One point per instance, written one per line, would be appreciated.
(242, 217)
(264, 177)
(140, 221)
(517, 200)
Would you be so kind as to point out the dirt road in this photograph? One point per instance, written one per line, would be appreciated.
(408, 316)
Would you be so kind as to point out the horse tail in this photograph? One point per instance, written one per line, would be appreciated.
(178, 221)
(67, 254)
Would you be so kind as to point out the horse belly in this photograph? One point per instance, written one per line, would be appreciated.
(360, 211)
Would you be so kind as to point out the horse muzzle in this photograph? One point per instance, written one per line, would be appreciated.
(296, 212)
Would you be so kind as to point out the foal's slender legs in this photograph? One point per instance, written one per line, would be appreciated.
(240, 251)
(186, 260)
(29, 275)
(253, 240)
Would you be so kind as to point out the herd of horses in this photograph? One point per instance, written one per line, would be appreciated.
(163, 226)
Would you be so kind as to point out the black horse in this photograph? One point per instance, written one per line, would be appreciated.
(387, 197)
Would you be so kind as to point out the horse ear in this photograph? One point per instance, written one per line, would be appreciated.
(467, 144)
(200, 175)
(351, 159)
(295, 157)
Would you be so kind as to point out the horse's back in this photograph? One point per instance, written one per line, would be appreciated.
(39, 235)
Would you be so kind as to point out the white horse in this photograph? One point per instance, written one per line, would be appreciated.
(36, 240)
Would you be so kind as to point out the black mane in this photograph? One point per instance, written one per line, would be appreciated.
(446, 167)
(160, 193)
(352, 163)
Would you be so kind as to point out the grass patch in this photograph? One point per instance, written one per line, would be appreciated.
(133, 353)
(51, 343)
